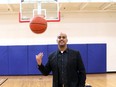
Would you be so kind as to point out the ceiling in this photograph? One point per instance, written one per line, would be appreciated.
(85, 7)
(68, 7)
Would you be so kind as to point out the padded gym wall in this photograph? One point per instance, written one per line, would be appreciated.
(20, 59)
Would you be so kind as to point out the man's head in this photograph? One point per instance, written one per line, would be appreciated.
(62, 40)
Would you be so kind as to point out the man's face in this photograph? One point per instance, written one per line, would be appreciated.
(62, 39)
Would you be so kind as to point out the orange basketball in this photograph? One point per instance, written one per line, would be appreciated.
(38, 25)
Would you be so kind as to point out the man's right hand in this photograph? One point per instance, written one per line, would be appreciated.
(39, 58)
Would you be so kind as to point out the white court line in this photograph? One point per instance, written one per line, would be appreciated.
(2, 81)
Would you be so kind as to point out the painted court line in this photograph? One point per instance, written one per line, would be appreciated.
(3, 81)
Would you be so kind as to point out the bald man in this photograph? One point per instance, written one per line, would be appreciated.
(66, 65)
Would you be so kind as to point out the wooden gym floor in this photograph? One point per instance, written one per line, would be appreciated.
(96, 80)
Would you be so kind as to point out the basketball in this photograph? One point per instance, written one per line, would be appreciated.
(38, 25)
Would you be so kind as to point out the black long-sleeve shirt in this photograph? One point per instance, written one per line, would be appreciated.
(62, 63)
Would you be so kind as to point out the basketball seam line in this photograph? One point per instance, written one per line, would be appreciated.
(39, 23)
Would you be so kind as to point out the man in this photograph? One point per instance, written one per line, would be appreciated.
(66, 65)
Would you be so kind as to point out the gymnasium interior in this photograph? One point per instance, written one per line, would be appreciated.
(90, 27)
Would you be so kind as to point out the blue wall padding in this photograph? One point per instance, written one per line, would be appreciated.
(3, 60)
(96, 58)
(20, 60)
(52, 48)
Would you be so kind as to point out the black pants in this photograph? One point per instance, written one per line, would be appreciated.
(62, 85)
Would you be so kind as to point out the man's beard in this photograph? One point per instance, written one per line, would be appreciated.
(62, 46)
